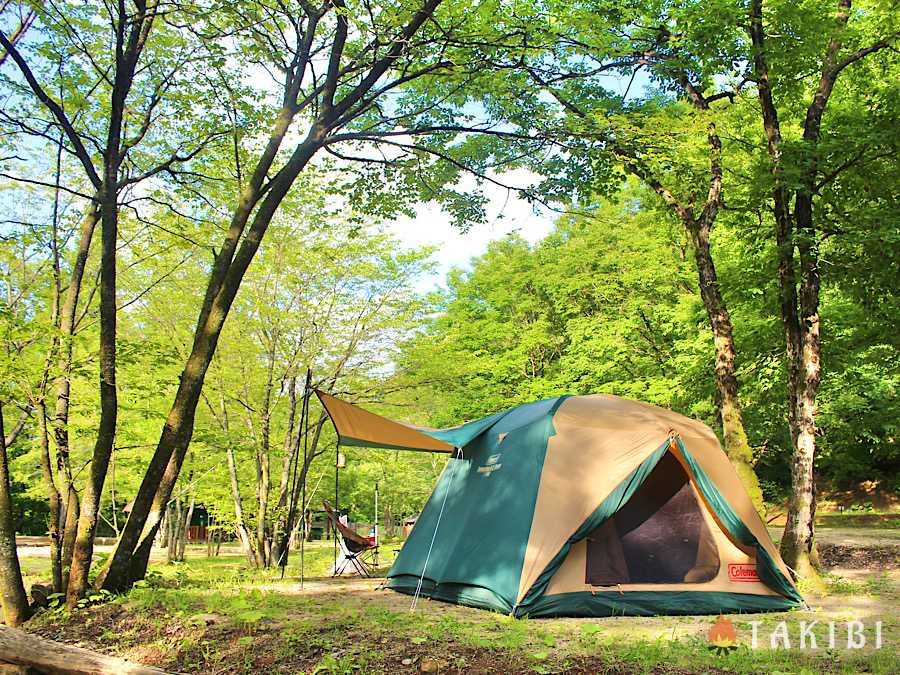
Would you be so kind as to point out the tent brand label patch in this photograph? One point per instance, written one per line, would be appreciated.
(742, 572)
(491, 465)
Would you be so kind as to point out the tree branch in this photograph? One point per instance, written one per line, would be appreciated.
(60, 115)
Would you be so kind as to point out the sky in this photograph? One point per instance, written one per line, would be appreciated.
(506, 213)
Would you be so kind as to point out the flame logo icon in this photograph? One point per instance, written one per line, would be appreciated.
(722, 635)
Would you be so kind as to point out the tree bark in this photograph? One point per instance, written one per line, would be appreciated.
(698, 227)
(797, 541)
(130, 37)
(173, 522)
(240, 525)
(164, 530)
(239, 522)
(263, 479)
(53, 495)
(131, 28)
(290, 448)
(12, 590)
(90, 501)
(54, 499)
(185, 528)
(737, 447)
(63, 388)
(70, 527)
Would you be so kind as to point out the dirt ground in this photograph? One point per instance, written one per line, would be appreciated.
(214, 616)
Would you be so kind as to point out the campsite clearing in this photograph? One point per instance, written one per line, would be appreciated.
(216, 616)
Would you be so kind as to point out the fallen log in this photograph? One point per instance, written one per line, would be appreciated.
(46, 656)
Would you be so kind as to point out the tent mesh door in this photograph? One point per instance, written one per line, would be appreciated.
(658, 537)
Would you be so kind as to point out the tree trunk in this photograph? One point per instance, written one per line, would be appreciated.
(37, 654)
(63, 388)
(12, 590)
(174, 526)
(131, 30)
(802, 330)
(185, 528)
(263, 478)
(798, 546)
(737, 447)
(211, 532)
(290, 448)
(699, 227)
(387, 519)
(239, 522)
(53, 496)
(311, 453)
(54, 499)
(230, 266)
(164, 530)
(125, 566)
(73, 512)
(106, 433)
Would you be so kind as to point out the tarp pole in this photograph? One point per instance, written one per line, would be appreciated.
(337, 470)
(376, 523)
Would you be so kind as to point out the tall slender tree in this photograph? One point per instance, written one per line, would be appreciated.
(12, 590)
(109, 171)
(796, 181)
(369, 58)
(578, 62)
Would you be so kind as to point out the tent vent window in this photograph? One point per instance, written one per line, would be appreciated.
(658, 537)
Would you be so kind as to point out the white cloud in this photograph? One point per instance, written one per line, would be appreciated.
(506, 213)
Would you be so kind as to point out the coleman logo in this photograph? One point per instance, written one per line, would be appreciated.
(742, 572)
(490, 466)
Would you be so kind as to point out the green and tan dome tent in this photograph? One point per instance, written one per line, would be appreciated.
(581, 506)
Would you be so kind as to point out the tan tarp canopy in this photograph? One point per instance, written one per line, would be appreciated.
(356, 426)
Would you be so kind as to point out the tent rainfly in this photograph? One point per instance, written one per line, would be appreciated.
(581, 506)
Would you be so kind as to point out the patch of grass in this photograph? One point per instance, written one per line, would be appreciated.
(335, 626)
(877, 584)
(860, 517)
(873, 585)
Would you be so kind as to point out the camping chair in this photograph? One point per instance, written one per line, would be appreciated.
(358, 551)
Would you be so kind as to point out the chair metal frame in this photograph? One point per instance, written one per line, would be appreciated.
(358, 551)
